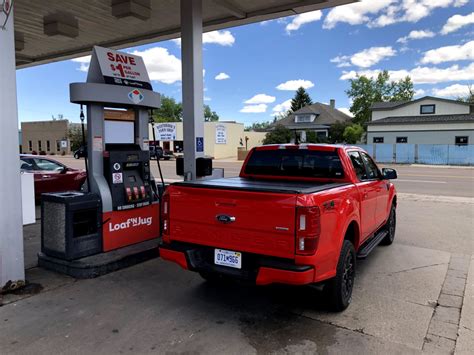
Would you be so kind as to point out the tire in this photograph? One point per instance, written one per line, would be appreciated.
(339, 289)
(167, 158)
(390, 226)
(76, 155)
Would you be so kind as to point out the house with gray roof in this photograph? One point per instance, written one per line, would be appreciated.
(427, 120)
(317, 117)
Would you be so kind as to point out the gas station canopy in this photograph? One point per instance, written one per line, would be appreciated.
(52, 30)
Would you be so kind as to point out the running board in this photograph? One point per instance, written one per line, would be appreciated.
(370, 245)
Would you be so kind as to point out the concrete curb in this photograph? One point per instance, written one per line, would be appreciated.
(465, 341)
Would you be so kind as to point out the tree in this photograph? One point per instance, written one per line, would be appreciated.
(469, 98)
(75, 137)
(300, 100)
(258, 126)
(209, 115)
(336, 131)
(169, 111)
(353, 133)
(279, 135)
(312, 137)
(172, 111)
(365, 91)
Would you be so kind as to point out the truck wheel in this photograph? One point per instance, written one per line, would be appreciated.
(339, 289)
(390, 227)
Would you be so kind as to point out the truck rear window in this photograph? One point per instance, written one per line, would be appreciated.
(295, 163)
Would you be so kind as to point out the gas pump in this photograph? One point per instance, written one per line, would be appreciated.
(118, 151)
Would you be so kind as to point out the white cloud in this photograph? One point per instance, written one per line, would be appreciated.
(84, 63)
(341, 61)
(161, 65)
(222, 76)
(416, 35)
(456, 90)
(223, 38)
(254, 108)
(260, 99)
(302, 19)
(346, 111)
(421, 75)
(449, 54)
(380, 13)
(356, 13)
(455, 22)
(207, 98)
(295, 85)
(420, 92)
(372, 56)
(365, 58)
(283, 107)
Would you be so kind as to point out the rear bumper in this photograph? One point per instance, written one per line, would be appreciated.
(257, 269)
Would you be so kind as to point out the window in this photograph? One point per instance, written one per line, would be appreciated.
(295, 163)
(58, 146)
(39, 146)
(45, 164)
(372, 170)
(30, 146)
(427, 109)
(462, 140)
(402, 139)
(26, 164)
(358, 165)
(378, 140)
(304, 118)
(48, 146)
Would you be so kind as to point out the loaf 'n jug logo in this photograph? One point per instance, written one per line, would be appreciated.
(135, 96)
(131, 223)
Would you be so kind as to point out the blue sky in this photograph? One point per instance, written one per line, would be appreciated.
(261, 65)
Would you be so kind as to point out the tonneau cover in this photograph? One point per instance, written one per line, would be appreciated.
(238, 183)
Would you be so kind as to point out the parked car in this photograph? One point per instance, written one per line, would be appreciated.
(50, 175)
(157, 151)
(297, 214)
(81, 152)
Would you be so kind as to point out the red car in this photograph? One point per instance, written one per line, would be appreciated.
(297, 214)
(50, 175)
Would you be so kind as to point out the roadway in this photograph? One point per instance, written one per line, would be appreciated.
(413, 179)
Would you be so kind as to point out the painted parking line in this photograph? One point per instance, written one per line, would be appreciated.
(422, 181)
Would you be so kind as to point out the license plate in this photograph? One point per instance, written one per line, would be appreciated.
(228, 258)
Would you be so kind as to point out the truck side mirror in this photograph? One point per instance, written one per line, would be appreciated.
(389, 174)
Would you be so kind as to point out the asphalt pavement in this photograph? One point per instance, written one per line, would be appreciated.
(411, 297)
(417, 179)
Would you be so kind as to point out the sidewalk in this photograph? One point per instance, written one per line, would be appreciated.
(465, 342)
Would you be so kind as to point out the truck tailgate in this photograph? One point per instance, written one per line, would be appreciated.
(254, 222)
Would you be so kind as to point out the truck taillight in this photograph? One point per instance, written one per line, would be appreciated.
(308, 229)
(165, 215)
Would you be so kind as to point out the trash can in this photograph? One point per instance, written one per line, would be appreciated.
(71, 224)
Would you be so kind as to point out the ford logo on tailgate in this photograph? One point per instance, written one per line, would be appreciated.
(224, 218)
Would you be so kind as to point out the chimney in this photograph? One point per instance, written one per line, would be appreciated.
(332, 103)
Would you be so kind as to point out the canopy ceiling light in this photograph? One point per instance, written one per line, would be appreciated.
(140, 9)
(61, 24)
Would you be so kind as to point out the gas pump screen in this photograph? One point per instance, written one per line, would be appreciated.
(119, 131)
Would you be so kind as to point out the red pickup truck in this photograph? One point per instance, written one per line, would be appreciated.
(297, 214)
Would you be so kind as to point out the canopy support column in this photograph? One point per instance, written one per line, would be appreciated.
(12, 266)
(192, 79)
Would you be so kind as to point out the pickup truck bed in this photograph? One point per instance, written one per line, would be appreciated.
(238, 183)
